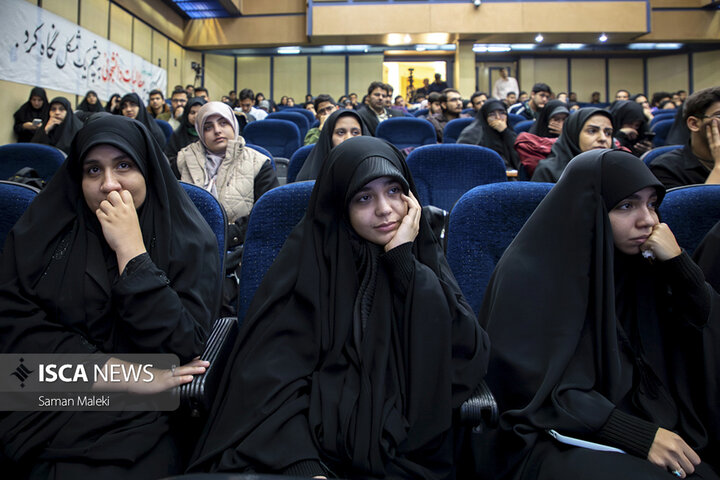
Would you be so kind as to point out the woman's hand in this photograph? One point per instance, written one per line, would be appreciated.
(498, 124)
(670, 452)
(410, 224)
(662, 243)
(52, 123)
(555, 127)
(30, 126)
(162, 379)
(121, 228)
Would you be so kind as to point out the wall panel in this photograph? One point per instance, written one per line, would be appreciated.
(254, 73)
(67, 9)
(552, 71)
(669, 73)
(174, 67)
(121, 27)
(626, 74)
(159, 50)
(363, 70)
(588, 76)
(94, 16)
(327, 75)
(142, 40)
(290, 77)
(219, 75)
(706, 69)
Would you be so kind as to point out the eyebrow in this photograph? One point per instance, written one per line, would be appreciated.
(114, 159)
(596, 126)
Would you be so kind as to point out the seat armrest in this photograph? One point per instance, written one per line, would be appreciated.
(197, 396)
(480, 411)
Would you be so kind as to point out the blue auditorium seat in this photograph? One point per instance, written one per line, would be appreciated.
(404, 132)
(280, 137)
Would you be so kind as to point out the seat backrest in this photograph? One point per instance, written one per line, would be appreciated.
(43, 158)
(514, 118)
(294, 116)
(297, 161)
(482, 225)
(662, 115)
(404, 132)
(166, 128)
(303, 111)
(280, 137)
(651, 155)
(690, 212)
(214, 215)
(454, 128)
(661, 129)
(444, 172)
(421, 112)
(264, 152)
(469, 111)
(523, 126)
(272, 219)
(14, 198)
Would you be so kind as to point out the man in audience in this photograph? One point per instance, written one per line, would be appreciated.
(190, 89)
(595, 97)
(324, 106)
(572, 97)
(505, 85)
(540, 95)
(375, 111)
(202, 92)
(451, 108)
(389, 96)
(438, 85)
(178, 100)
(157, 106)
(232, 95)
(399, 104)
(523, 96)
(246, 100)
(477, 100)
(510, 99)
(354, 100)
(425, 89)
(622, 95)
(699, 160)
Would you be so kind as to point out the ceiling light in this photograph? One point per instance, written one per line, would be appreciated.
(288, 50)
(603, 38)
(539, 38)
(477, 3)
(523, 46)
(570, 46)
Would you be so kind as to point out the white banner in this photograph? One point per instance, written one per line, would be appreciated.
(43, 49)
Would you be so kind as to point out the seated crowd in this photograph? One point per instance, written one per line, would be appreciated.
(598, 334)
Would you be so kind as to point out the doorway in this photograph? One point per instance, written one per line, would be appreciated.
(406, 77)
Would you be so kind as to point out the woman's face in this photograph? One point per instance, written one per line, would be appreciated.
(36, 102)
(633, 219)
(377, 210)
(283, 100)
(107, 169)
(346, 127)
(642, 100)
(193, 113)
(130, 109)
(556, 121)
(596, 133)
(217, 131)
(259, 98)
(91, 98)
(291, 102)
(57, 111)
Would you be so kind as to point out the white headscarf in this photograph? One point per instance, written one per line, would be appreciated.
(212, 164)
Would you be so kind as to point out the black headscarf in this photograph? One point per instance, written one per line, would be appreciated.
(625, 112)
(185, 133)
(26, 113)
(354, 363)
(144, 117)
(479, 132)
(315, 160)
(108, 105)
(679, 133)
(59, 284)
(540, 127)
(62, 135)
(567, 146)
(86, 106)
(589, 334)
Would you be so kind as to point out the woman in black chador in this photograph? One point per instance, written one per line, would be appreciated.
(31, 115)
(490, 129)
(594, 341)
(358, 344)
(112, 257)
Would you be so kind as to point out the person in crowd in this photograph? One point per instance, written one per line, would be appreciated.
(562, 96)
(658, 98)
(178, 100)
(606, 345)
(630, 126)
(490, 129)
(399, 104)
(246, 101)
(132, 106)
(434, 107)
(378, 343)
(477, 100)
(185, 134)
(90, 104)
(588, 128)
(572, 97)
(113, 104)
(535, 145)
(112, 258)
(353, 100)
(643, 101)
(283, 101)
(622, 95)
(679, 133)
(202, 92)
(324, 105)
(259, 97)
(190, 89)
(232, 98)
(308, 97)
(524, 97)
(157, 107)
(425, 89)
(235, 174)
(309, 106)
(450, 108)
(290, 102)
(338, 127)
(61, 126)
(31, 115)
(699, 160)
(595, 97)
(375, 111)
(511, 99)
(504, 85)
(667, 105)
(438, 85)
(573, 106)
(531, 109)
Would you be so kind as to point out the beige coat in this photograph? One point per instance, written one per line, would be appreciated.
(235, 178)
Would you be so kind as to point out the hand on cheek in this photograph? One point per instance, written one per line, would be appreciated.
(662, 243)
(410, 224)
(121, 228)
